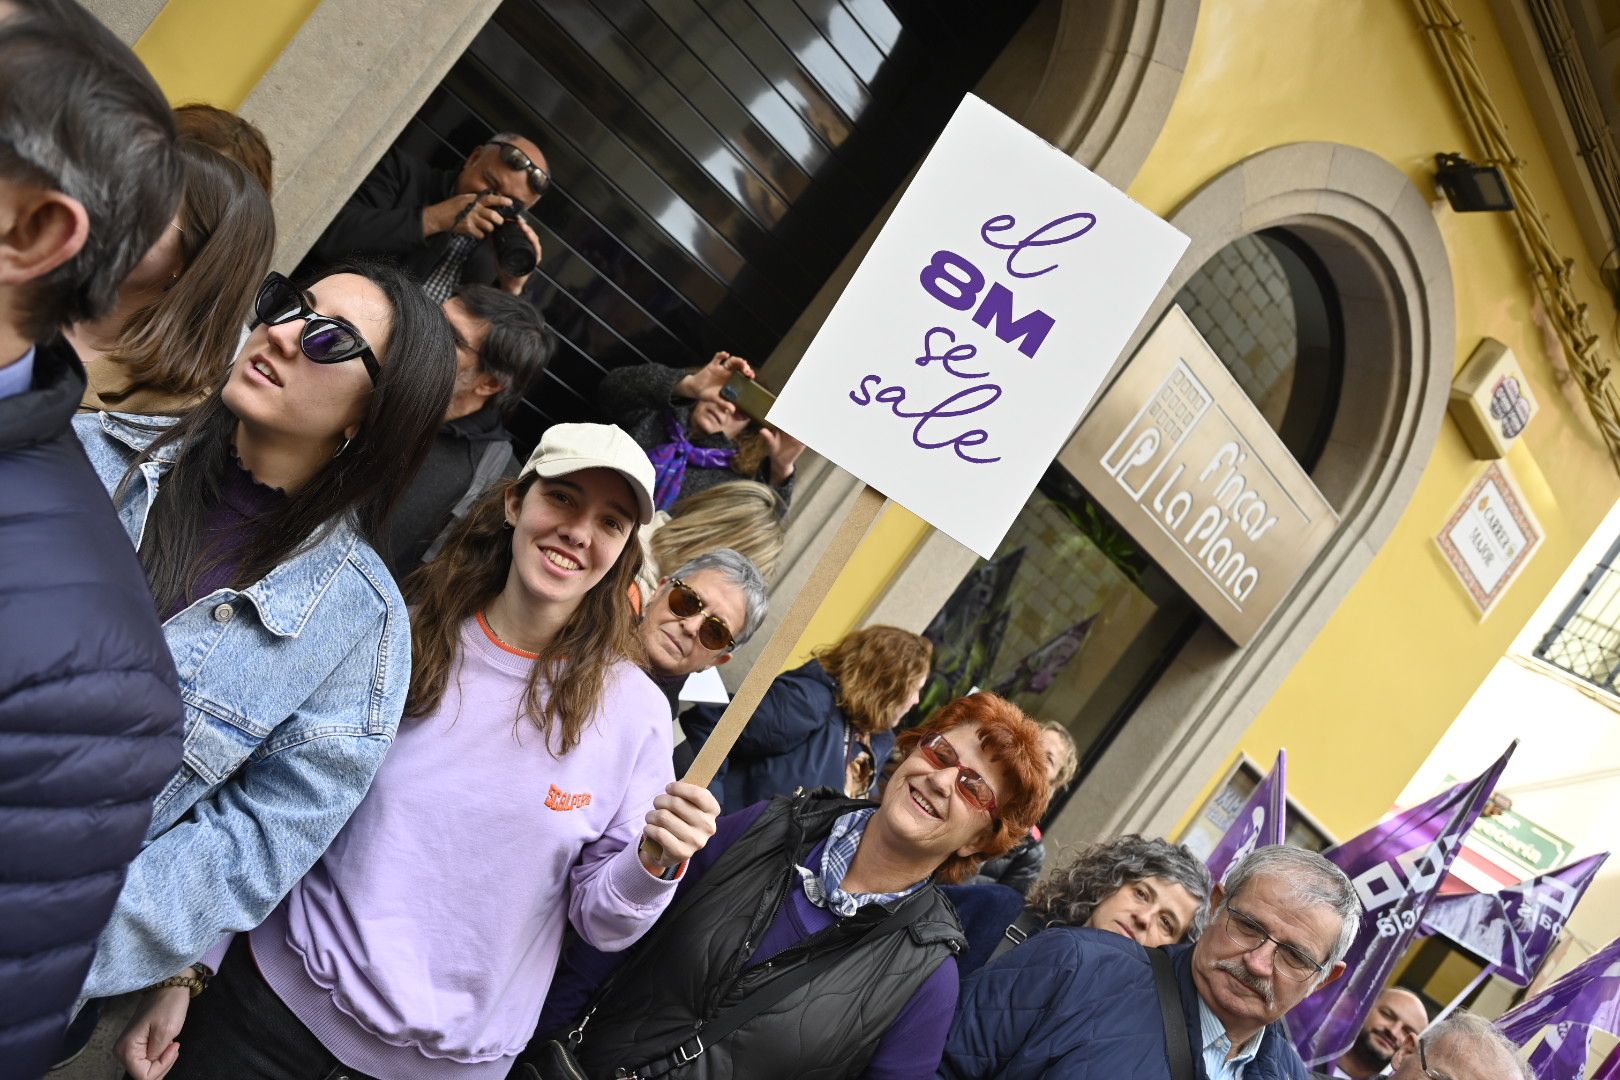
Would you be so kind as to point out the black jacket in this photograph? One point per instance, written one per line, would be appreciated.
(692, 967)
(1019, 869)
(447, 476)
(90, 717)
(383, 218)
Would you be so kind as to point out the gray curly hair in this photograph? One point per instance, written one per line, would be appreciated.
(1071, 891)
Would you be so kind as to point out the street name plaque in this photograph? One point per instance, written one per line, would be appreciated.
(1181, 458)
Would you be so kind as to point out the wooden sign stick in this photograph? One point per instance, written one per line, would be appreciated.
(868, 501)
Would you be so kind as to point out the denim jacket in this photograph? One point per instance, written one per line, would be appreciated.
(293, 688)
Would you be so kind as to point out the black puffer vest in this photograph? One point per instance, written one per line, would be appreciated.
(691, 968)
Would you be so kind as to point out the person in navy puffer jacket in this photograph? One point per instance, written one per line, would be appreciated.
(1081, 1004)
(90, 716)
(829, 723)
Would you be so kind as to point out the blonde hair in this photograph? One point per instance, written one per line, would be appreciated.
(876, 669)
(1071, 754)
(743, 515)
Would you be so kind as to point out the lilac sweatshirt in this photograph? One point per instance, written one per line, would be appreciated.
(910, 1050)
(423, 942)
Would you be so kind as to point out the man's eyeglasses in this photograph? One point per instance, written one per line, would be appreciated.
(1249, 935)
(1423, 1063)
(975, 790)
(713, 633)
(514, 158)
(325, 339)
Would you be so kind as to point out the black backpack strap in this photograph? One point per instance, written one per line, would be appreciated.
(1176, 1043)
(773, 992)
(1027, 923)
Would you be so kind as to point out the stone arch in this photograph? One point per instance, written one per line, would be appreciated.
(1376, 236)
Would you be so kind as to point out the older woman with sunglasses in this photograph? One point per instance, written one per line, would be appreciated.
(254, 518)
(529, 792)
(835, 900)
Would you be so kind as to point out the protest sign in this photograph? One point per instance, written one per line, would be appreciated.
(964, 349)
(1262, 821)
(1395, 866)
(979, 327)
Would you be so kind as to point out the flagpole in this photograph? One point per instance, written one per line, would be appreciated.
(1473, 984)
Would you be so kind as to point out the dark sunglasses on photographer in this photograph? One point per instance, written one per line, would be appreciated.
(325, 339)
(514, 158)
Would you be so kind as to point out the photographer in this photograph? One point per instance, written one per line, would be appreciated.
(446, 227)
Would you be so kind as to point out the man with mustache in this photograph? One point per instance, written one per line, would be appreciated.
(1079, 1004)
(1397, 1018)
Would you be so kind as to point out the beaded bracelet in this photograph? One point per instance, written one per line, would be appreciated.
(189, 981)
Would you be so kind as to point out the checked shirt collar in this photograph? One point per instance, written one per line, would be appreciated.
(825, 890)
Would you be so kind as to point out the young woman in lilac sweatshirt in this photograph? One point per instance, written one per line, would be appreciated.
(530, 789)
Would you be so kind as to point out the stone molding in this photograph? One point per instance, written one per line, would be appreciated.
(1377, 237)
(329, 123)
(126, 18)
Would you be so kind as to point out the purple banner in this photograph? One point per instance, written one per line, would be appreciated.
(1586, 994)
(1480, 923)
(1540, 908)
(1562, 1054)
(1396, 867)
(1262, 821)
(1514, 929)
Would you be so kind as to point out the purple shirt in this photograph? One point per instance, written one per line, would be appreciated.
(227, 528)
(909, 1050)
(422, 943)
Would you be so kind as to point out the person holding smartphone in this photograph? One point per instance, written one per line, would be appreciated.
(696, 435)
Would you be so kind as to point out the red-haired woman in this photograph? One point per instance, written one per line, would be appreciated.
(787, 882)
(829, 723)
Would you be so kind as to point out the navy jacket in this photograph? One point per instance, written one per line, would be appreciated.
(795, 739)
(1079, 1004)
(90, 718)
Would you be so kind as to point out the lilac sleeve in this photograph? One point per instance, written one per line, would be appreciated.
(612, 899)
(914, 1043)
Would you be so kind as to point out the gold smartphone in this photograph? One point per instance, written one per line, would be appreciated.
(751, 398)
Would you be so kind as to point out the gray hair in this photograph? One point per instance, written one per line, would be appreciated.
(1071, 891)
(80, 114)
(741, 572)
(1470, 1028)
(1310, 880)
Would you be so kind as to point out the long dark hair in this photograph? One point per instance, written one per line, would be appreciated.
(180, 343)
(361, 485)
(566, 683)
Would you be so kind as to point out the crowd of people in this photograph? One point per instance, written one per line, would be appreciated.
(345, 741)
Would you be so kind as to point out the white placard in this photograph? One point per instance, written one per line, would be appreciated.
(979, 326)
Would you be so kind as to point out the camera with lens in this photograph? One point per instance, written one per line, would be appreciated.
(513, 250)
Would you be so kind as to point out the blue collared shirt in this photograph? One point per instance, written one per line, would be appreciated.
(1217, 1045)
(18, 376)
(825, 890)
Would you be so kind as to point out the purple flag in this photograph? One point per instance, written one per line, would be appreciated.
(1562, 1054)
(1396, 867)
(1514, 929)
(1588, 993)
(1262, 821)
(1541, 906)
(1480, 923)
(1610, 1069)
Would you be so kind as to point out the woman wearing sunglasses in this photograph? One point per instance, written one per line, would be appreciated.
(829, 723)
(529, 790)
(815, 875)
(254, 518)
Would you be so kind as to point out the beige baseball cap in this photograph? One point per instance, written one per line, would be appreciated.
(572, 448)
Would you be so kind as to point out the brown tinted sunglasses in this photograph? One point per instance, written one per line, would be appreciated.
(975, 790)
(713, 633)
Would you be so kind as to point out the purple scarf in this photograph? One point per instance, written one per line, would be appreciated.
(670, 460)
